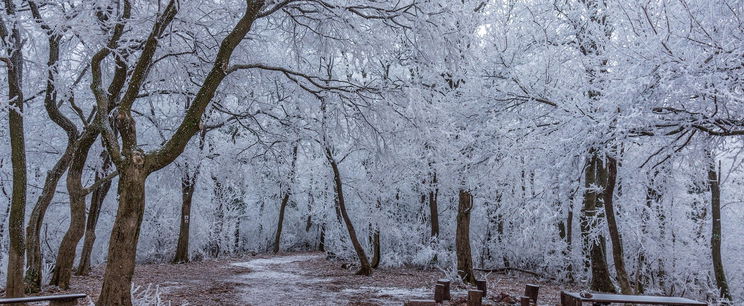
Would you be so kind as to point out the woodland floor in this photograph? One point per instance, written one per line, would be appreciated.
(296, 279)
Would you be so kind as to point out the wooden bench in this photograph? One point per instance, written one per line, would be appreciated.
(576, 299)
(56, 300)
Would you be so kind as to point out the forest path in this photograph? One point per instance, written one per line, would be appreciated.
(308, 279)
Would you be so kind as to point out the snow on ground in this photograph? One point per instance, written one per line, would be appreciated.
(285, 281)
(267, 269)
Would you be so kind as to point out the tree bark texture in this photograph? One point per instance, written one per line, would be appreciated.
(122, 248)
(433, 207)
(68, 246)
(462, 238)
(594, 248)
(14, 282)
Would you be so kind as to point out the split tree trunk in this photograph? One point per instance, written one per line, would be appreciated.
(715, 238)
(33, 230)
(462, 238)
(134, 166)
(594, 248)
(96, 201)
(617, 242)
(75, 189)
(365, 268)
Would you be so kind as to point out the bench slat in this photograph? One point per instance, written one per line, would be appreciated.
(637, 299)
(27, 299)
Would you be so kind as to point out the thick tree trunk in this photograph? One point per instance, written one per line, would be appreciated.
(617, 242)
(365, 268)
(75, 189)
(96, 201)
(122, 251)
(715, 237)
(462, 238)
(594, 248)
(14, 282)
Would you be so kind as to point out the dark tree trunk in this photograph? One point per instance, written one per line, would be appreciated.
(615, 237)
(462, 238)
(376, 242)
(33, 230)
(365, 268)
(278, 234)
(14, 282)
(321, 239)
(188, 185)
(68, 246)
(236, 236)
(594, 248)
(433, 207)
(122, 249)
(285, 199)
(715, 238)
(308, 223)
(96, 201)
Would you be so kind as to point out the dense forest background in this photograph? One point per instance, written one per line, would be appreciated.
(591, 141)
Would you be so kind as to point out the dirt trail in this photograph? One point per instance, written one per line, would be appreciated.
(290, 279)
(294, 280)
